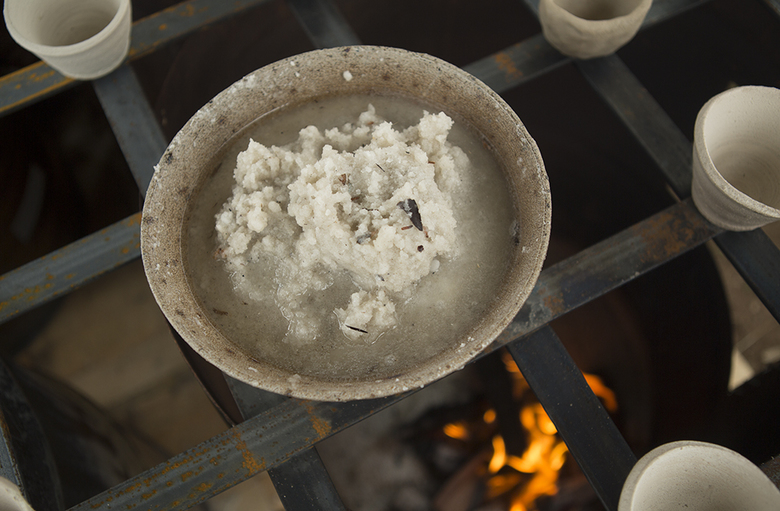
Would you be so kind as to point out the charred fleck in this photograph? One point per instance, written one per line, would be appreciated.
(410, 208)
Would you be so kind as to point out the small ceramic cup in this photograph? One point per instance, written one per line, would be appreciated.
(82, 39)
(11, 498)
(736, 158)
(697, 476)
(586, 29)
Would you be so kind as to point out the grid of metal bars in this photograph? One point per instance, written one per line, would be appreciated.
(279, 433)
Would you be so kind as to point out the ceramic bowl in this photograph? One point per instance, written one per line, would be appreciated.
(304, 79)
(82, 39)
(736, 158)
(697, 476)
(586, 29)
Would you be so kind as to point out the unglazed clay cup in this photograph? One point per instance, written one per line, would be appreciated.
(82, 39)
(11, 498)
(697, 476)
(736, 158)
(586, 29)
(305, 80)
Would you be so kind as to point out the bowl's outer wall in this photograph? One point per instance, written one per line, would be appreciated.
(299, 79)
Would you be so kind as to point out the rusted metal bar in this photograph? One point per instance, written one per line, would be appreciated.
(39, 81)
(533, 57)
(302, 482)
(501, 71)
(517, 64)
(609, 264)
(133, 122)
(752, 253)
(243, 451)
(323, 23)
(592, 438)
(644, 118)
(757, 259)
(72, 266)
(291, 426)
(506, 68)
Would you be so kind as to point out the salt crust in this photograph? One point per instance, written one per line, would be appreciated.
(338, 200)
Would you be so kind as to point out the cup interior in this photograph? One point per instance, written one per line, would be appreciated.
(742, 137)
(698, 477)
(595, 10)
(65, 22)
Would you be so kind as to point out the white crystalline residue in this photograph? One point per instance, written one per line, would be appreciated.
(347, 75)
(345, 200)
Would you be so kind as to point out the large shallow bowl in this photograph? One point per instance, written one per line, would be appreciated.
(305, 78)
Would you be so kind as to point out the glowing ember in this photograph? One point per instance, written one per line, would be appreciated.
(457, 430)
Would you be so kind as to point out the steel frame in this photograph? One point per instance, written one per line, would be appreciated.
(279, 434)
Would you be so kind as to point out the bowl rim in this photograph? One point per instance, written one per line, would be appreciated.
(284, 84)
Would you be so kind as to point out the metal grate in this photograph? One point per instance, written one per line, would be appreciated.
(279, 433)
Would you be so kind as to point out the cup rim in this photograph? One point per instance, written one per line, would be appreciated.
(67, 49)
(656, 455)
(585, 22)
(705, 159)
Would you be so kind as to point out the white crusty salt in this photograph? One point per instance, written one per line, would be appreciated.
(365, 199)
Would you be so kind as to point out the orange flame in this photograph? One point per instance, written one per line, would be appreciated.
(545, 453)
(542, 460)
(534, 473)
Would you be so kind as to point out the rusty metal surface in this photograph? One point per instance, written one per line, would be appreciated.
(274, 435)
(282, 429)
(38, 81)
(245, 450)
(63, 270)
(643, 116)
(302, 482)
(609, 264)
(133, 122)
(752, 253)
(324, 24)
(31, 285)
(517, 64)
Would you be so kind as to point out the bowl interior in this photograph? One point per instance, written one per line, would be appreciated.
(298, 82)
